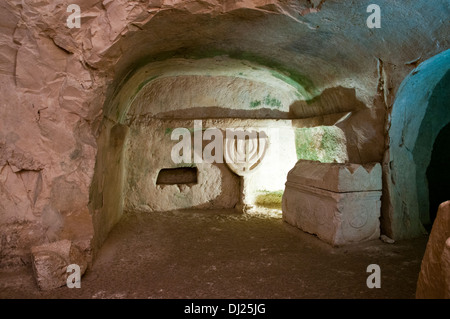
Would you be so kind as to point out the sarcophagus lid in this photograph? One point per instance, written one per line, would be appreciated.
(337, 177)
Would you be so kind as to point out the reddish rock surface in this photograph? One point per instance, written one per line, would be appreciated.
(434, 277)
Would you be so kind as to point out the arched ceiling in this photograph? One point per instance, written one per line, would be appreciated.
(421, 110)
(199, 88)
(317, 44)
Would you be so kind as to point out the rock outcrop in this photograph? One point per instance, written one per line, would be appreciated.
(50, 263)
(434, 277)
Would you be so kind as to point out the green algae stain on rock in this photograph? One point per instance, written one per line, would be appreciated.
(255, 103)
(266, 101)
(326, 144)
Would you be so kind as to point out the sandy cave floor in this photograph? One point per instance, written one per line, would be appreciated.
(202, 255)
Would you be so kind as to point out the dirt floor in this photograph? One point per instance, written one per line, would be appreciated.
(202, 255)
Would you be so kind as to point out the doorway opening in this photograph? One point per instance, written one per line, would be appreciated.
(438, 174)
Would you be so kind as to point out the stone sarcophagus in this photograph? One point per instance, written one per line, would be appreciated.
(340, 203)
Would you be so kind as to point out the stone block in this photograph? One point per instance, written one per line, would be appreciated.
(340, 203)
(50, 263)
(434, 276)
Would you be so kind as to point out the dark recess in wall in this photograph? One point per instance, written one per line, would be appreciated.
(175, 176)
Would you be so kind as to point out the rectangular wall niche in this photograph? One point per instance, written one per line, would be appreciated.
(175, 176)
